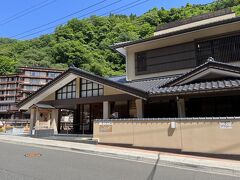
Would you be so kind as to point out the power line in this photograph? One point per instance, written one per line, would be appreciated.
(120, 9)
(16, 14)
(67, 21)
(27, 11)
(126, 8)
(59, 19)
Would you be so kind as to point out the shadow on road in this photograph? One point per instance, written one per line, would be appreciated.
(151, 175)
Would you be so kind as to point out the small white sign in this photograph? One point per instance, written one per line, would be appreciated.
(106, 123)
(225, 125)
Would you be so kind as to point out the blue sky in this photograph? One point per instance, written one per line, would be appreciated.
(13, 21)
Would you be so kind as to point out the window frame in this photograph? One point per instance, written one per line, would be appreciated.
(90, 88)
(64, 93)
(141, 62)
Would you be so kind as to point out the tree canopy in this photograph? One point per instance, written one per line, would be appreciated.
(85, 43)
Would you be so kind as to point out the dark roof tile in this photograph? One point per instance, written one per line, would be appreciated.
(148, 85)
(201, 86)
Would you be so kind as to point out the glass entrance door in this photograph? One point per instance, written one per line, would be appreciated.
(89, 112)
(96, 113)
(85, 119)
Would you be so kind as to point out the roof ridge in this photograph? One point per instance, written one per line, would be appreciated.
(199, 86)
(196, 18)
(153, 78)
(211, 81)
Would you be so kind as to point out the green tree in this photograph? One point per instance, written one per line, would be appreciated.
(85, 42)
(7, 65)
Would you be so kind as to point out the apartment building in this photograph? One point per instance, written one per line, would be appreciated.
(16, 87)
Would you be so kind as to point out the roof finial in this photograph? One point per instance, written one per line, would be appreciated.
(72, 66)
(210, 59)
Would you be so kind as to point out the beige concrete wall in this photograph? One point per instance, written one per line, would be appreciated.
(207, 137)
(156, 134)
(204, 136)
(118, 135)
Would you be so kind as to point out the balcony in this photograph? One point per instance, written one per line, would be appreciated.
(9, 95)
(7, 101)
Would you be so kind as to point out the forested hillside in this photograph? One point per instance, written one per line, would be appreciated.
(85, 43)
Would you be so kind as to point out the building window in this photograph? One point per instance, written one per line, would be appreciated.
(3, 86)
(67, 92)
(53, 75)
(12, 79)
(12, 86)
(4, 107)
(10, 99)
(89, 89)
(3, 79)
(226, 49)
(11, 92)
(31, 88)
(37, 81)
(141, 61)
(33, 73)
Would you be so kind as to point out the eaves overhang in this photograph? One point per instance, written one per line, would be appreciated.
(157, 37)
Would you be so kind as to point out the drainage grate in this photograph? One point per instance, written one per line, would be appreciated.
(32, 155)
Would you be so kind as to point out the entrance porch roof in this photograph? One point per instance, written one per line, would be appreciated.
(68, 76)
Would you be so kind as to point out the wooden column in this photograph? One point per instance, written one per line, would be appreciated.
(32, 119)
(106, 110)
(181, 108)
(139, 107)
(76, 119)
(37, 119)
(54, 120)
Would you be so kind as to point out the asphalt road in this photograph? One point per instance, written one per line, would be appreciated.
(66, 165)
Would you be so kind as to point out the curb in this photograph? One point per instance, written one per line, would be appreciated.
(161, 160)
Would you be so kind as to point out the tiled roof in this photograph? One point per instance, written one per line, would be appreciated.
(148, 85)
(196, 87)
(167, 85)
(209, 64)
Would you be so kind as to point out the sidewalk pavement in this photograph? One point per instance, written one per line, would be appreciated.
(205, 164)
